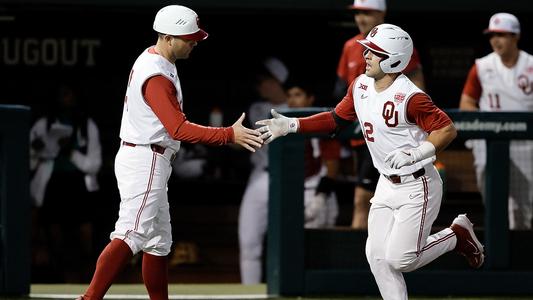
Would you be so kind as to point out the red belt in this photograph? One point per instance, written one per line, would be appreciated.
(154, 147)
(398, 178)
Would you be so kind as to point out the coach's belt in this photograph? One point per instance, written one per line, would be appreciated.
(398, 178)
(156, 148)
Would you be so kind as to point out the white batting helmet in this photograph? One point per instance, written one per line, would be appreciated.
(393, 42)
(179, 21)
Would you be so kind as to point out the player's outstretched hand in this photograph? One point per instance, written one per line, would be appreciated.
(276, 127)
(246, 137)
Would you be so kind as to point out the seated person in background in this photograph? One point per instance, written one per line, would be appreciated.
(503, 81)
(321, 165)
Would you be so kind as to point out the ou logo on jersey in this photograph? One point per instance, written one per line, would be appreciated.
(525, 85)
(390, 115)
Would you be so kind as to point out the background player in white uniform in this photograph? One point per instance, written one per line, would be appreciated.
(403, 130)
(253, 214)
(503, 81)
(153, 124)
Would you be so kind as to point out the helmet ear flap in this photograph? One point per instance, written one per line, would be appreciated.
(388, 66)
(385, 65)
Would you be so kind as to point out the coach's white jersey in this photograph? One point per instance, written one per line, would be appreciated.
(139, 124)
(506, 89)
(383, 119)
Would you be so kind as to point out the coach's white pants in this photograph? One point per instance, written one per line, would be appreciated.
(144, 217)
(399, 224)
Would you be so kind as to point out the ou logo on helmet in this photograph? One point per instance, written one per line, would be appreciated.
(389, 114)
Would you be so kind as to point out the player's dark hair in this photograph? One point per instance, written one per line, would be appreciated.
(301, 83)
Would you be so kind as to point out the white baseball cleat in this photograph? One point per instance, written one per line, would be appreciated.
(467, 243)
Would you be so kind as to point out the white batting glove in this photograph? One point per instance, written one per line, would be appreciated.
(276, 127)
(406, 157)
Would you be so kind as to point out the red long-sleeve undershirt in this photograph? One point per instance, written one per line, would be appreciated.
(420, 110)
(160, 95)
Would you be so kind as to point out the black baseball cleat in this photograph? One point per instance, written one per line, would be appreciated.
(467, 243)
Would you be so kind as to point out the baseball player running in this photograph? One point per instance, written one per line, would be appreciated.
(367, 15)
(153, 125)
(503, 81)
(403, 130)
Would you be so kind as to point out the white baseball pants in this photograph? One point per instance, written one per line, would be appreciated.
(399, 224)
(144, 217)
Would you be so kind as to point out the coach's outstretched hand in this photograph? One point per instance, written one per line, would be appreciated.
(276, 127)
(246, 137)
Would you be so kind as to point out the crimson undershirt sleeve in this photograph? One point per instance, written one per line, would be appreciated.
(472, 86)
(422, 111)
(160, 94)
(328, 122)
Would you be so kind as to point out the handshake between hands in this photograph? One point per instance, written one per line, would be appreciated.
(270, 130)
(276, 127)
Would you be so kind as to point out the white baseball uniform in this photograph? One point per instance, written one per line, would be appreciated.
(407, 200)
(253, 215)
(142, 174)
(499, 88)
(151, 130)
